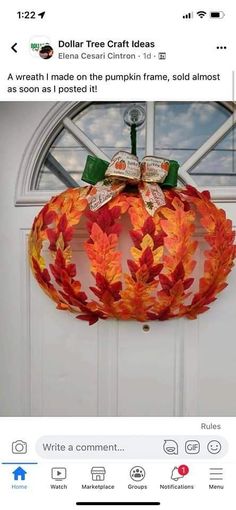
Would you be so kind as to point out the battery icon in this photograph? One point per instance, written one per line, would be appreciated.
(217, 14)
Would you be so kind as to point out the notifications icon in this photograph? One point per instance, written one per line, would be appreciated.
(170, 447)
(179, 472)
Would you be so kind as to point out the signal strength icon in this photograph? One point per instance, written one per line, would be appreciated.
(201, 14)
(188, 16)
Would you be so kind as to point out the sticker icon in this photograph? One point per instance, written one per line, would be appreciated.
(170, 447)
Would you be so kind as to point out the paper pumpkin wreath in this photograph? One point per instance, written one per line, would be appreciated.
(161, 278)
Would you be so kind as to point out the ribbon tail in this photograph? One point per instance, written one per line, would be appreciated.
(152, 195)
(103, 192)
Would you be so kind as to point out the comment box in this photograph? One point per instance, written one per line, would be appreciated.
(131, 447)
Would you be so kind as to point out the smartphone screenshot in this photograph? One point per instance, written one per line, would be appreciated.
(117, 228)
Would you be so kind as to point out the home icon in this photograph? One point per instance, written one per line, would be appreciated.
(98, 473)
(19, 473)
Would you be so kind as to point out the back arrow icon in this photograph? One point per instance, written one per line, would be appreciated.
(13, 47)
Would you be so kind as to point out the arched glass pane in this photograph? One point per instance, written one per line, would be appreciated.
(104, 124)
(218, 167)
(70, 154)
(181, 128)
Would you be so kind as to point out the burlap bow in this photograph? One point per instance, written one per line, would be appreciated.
(124, 169)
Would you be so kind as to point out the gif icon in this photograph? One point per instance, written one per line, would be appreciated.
(192, 447)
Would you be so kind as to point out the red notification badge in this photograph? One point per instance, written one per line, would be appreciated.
(183, 470)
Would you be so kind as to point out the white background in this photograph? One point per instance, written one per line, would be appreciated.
(190, 46)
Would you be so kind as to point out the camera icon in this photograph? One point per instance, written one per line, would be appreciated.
(19, 447)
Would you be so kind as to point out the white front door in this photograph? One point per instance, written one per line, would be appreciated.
(54, 365)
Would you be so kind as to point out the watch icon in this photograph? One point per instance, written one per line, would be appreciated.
(58, 473)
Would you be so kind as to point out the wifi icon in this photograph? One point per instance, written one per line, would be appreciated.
(201, 14)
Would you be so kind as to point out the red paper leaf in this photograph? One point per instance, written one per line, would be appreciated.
(71, 270)
(155, 270)
(115, 289)
(101, 282)
(164, 315)
(49, 217)
(147, 257)
(158, 240)
(136, 237)
(62, 224)
(96, 291)
(56, 273)
(115, 229)
(59, 260)
(149, 226)
(115, 212)
(81, 296)
(165, 282)
(187, 283)
(52, 237)
(91, 319)
(68, 234)
(178, 273)
(206, 194)
(45, 276)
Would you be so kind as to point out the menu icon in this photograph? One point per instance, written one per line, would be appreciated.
(216, 474)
